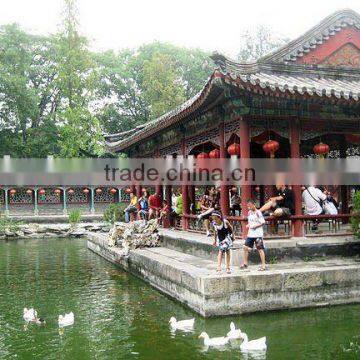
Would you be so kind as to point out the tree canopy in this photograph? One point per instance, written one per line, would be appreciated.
(57, 97)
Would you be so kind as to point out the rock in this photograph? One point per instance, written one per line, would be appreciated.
(77, 232)
(27, 230)
(134, 235)
(9, 233)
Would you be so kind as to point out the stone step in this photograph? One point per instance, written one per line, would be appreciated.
(293, 249)
(193, 280)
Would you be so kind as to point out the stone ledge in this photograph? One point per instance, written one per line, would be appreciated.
(292, 249)
(193, 281)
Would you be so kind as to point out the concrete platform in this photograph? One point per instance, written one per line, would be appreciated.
(293, 249)
(193, 281)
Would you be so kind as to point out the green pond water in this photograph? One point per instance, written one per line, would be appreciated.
(117, 316)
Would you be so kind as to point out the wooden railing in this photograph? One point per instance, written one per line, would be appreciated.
(282, 227)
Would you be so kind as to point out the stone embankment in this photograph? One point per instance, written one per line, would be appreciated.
(187, 273)
(34, 230)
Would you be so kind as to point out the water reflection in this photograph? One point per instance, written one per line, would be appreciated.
(119, 316)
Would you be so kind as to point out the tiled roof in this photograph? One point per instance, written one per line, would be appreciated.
(314, 37)
(273, 73)
(300, 79)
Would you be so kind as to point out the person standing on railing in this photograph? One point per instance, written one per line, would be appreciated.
(282, 205)
(223, 239)
(207, 207)
(255, 235)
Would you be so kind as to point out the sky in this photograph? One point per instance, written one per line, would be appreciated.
(207, 24)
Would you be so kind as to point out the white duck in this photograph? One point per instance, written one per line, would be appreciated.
(218, 341)
(66, 320)
(29, 315)
(182, 324)
(234, 333)
(253, 345)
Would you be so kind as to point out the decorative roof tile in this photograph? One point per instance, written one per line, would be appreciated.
(277, 73)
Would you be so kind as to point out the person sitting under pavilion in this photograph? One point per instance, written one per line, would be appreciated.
(164, 213)
(132, 207)
(143, 207)
(154, 205)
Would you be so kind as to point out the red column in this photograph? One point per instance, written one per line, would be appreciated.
(344, 194)
(184, 191)
(168, 191)
(244, 135)
(224, 189)
(298, 228)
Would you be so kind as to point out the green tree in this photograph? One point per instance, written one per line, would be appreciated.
(134, 86)
(78, 127)
(163, 87)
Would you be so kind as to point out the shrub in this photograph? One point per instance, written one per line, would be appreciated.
(114, 213)
(355, 219)
(74, 216)
(7, 224)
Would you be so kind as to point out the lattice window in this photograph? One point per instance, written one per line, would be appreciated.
(78, 197)
(20, 197)
(104, 197)
(49, 197)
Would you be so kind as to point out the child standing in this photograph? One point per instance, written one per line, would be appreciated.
(223, 239)
(255, 235)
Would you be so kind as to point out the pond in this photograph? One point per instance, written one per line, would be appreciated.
(118, 316)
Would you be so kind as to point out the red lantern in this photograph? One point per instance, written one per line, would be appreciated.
(57, 192)
(202, 155)
(41, 192)
(113, 191)
(98, 191)
(71, 191)
(29, 192)
(12, 192)
(270, 147)
(214, 154)
(321, 149)
(234, 149)
(86, 191)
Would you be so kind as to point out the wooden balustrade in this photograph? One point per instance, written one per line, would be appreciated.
(282, 227)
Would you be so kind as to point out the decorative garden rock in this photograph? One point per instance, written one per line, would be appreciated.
(137, 234)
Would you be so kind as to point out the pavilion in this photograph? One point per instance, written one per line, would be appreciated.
(302, 96)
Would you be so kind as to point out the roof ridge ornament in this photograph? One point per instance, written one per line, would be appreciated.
(314, 37)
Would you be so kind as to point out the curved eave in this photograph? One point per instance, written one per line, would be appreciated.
(278, 85)
(169, 119)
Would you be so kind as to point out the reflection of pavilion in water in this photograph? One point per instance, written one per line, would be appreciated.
(299, 100)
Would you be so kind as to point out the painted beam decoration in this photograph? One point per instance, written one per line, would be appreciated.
(314, 78)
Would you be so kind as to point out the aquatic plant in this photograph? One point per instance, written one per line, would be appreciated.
(355, 219)
(114, 213)
(74, 216)
(8, 225)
